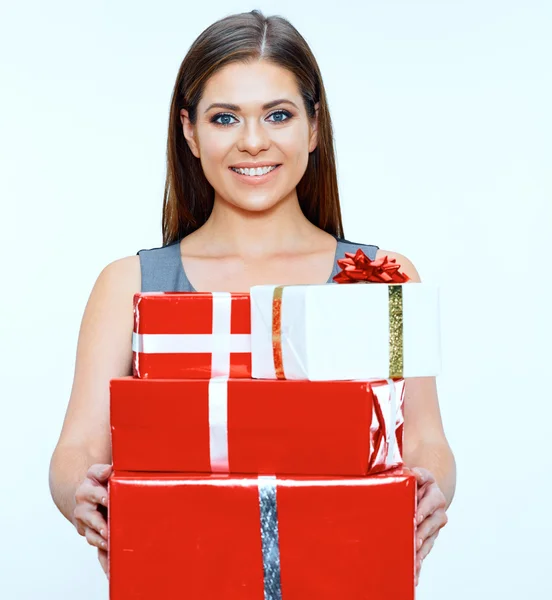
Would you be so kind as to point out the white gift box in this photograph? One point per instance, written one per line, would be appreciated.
(345, 331)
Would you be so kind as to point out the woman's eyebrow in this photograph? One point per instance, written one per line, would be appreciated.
(237, 108)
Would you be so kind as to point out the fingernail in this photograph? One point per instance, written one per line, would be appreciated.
(420, 542)
(102, 544)
(104, 501)
(420, 519)
(102, 532)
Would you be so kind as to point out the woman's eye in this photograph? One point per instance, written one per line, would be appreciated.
(223, 119)
(225, 116)
(281, 112)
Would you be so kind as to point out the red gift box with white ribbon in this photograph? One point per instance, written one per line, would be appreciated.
(234, 537)
(257, 426)
(191, 335)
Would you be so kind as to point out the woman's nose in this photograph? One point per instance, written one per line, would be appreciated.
(253, 137)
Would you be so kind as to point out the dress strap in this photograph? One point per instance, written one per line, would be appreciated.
(162, 270)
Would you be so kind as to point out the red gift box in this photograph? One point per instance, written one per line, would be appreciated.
(191, 335)
(257, 426)
(216, 537)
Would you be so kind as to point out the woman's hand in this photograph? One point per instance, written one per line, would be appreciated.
(430, 516)
(90, 498)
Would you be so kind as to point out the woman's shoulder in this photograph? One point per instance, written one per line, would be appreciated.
(122, 274)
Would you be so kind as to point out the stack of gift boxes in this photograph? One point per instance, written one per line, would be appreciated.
(257, 449)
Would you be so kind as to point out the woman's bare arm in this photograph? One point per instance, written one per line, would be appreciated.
(426, 449)
(425, 443)
(104, 351)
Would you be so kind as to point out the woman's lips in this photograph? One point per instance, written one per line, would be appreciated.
(256, 179)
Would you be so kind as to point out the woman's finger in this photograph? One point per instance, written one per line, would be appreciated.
(99, 472)
(92, 519)
(418, 564)
(418, 569)
(424, 481)
(423, 475)
(432, 501)
(430, 526)
(97, 494)
(95, 539)
(102, 557)
(77, 522)
(92, 492)
(422, 554)
(426, 508)
(427, 546)
(86, 516)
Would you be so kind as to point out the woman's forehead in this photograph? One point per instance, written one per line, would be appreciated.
(250, 85)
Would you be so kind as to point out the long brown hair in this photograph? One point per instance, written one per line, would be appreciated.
(189, 197)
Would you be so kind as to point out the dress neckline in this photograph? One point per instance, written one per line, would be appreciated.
(192, 288)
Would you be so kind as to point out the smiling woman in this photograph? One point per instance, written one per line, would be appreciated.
(251, 197)
(284, 161)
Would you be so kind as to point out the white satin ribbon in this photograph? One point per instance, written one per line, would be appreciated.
(222, 314)
(218, 384)
(168, 343)
(218, 424)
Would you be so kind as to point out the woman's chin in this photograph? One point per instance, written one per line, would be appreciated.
(256, 205)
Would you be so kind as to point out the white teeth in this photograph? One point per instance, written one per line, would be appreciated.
(254, 172)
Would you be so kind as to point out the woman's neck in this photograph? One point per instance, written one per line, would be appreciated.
(231, 230)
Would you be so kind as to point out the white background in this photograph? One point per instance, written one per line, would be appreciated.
(442, 123)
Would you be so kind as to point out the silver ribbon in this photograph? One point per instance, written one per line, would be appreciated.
(389, 398)
(392, 428)
(269, 537)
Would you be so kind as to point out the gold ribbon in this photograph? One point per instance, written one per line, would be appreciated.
(396, 348)
(277, 331)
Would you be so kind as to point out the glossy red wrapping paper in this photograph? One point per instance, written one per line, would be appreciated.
(292, 427)
(177, 334)
(200, 538)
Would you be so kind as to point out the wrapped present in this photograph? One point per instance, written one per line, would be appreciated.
(261, 538)
(191, 335)
(342, 332)
(254, 426)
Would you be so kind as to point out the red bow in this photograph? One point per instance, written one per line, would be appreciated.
(358, 268)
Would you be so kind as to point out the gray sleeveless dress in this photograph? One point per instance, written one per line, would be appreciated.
(162, 269)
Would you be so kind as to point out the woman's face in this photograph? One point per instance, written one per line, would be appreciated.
(266, 126)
